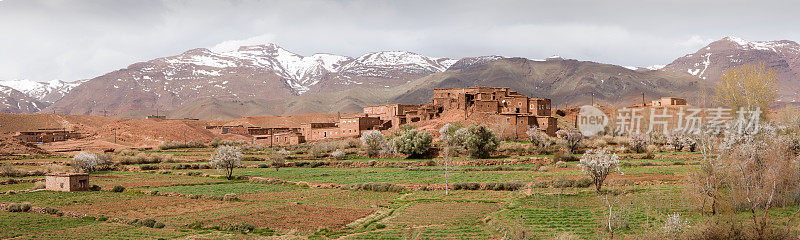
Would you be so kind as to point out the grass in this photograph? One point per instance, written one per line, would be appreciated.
(320, 212)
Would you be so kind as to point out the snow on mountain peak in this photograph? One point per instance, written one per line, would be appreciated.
(40, 90)
(762, 45)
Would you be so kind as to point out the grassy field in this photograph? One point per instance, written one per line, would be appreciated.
(311, 202)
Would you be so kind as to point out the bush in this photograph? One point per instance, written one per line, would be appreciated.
(413, 143)
(466, 186)
(89, 162)
(230, 197)
(561, 164)
(253, 159)
(95, 188)
(570, 138)
(51, 211)
(372, 142)
(479, 141)
(158, 225)
(638, 142)
(564, 157)
(118, 188)
(9, 171)
(148, 222)
(39, 185)
(504, 186)
(240, 227)
(149, 167)
(338, 154)
(376, 187)
(583, 182)
(19, 207)
(177, 145)
(543, 169)
(563, 183)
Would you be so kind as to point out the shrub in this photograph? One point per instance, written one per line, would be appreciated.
(149, 167)
(158, 225)
(562, 182)
(504, 186)
(230, 197)
(88, 162)
(377, 187)
(583, 182)
(479, 141)
(177, 145)
(466, 186)
(674, 225)
(278, 158)
(638, 142)
(561, 164)
(39, 185)
(543, 169)
(413, 143)
(19, 207)
(9, 171)
(338, 154)
(95, 188)
(571, 138)
(118, 188)
(564, 157)
(320, 150)
(50, 210)
(148, 222)
(372, 142)
(239, 227)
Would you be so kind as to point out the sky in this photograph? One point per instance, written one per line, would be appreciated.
(81, 39)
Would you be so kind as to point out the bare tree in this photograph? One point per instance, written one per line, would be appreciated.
(571, 138)
(598, 164)
(226, 158)
(372, 142)
(278, 158)
(747, 86)
(88, 162)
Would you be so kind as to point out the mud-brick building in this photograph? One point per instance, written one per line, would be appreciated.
(67, 182)
(344, 127)
(668, 101)
(46, 135)
(495, 104)
(286, 138)
(517, 125)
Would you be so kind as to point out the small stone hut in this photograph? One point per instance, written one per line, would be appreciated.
(67, 182)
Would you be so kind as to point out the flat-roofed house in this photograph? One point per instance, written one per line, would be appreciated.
(67, 182)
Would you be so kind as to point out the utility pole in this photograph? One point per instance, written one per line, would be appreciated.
(592, 98)
(115, 135)
(643, 105)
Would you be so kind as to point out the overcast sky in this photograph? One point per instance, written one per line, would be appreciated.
(71, 40)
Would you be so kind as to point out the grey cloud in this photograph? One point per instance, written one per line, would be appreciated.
(70, 40)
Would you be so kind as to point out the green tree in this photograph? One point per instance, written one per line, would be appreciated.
(479, 141)
(413, 143)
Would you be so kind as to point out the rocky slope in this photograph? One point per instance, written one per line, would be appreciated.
(47, 92)
(13, 101)
(567, 82)
(711, 62)
(263, 72)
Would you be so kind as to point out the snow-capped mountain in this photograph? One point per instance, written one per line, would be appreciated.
(251, 72)
(43, 91)
(13, 101)
(711, 61)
